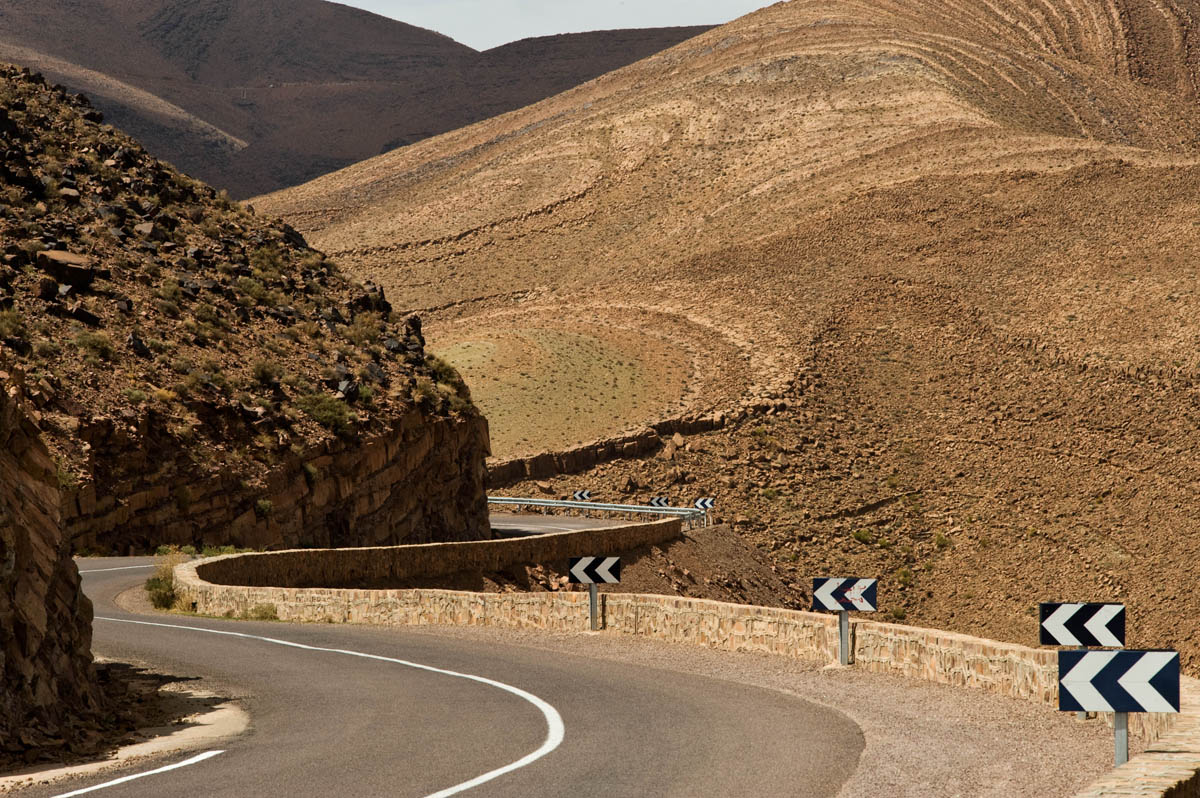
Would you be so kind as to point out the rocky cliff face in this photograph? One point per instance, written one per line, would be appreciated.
(203, 376)
(45, 621)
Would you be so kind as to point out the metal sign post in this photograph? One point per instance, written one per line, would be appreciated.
(841, 596)
(1119, 682)
(594, 606)
(844, 637)
(1120, 738)
(589, 571)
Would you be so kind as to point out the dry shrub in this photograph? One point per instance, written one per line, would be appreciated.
(161, 586)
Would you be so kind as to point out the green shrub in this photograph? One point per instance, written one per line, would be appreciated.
(263, 508)
(161, 586)
(904, 576)
(326, 411)
(170, 291)
(863, 535)
(12, 324)
(266, 372)
(267, 264)
(365, 329)
(96, 344)
(252, 288)
(940, 541)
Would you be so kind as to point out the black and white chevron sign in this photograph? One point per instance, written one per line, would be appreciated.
(844, 594)
(1087, 625)
(595, 570)
(660, 501)
(704, 504)
(582, 495)
(1118, 681)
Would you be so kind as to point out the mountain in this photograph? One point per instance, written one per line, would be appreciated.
(928, 267)
(255, 95)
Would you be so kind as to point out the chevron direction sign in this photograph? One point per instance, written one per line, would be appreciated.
(1086, 625)
(705, 503)
(844, 594)
(1118, 681)
(594, 570)
(660, 501)
(582, 495)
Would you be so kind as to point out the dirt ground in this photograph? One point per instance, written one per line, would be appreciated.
(713, 563)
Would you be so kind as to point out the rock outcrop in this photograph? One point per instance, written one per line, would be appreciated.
(202, 375)
(47, 694)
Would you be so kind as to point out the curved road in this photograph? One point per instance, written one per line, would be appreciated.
(328, 721)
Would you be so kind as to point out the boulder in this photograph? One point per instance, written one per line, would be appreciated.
(67, 267)
(150, 231)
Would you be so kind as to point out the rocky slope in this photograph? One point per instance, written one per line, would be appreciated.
(938, 261)
(253, 96)
(203, 375)
(49, 696)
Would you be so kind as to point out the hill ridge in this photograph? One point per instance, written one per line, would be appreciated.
(309, 86)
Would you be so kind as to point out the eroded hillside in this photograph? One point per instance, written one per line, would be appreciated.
(932, 264)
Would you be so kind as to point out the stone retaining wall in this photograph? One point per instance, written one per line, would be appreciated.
(1167, 769)
(341, 567)
(502, 473)
(419, 480)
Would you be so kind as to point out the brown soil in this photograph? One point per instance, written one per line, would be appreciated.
(945, 258)
(712, 563)
(255, 96)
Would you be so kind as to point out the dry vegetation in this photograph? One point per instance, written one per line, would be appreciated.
(544, 388)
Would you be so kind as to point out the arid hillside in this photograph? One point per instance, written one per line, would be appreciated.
(255, 95)
(931, 265)
(203, 376)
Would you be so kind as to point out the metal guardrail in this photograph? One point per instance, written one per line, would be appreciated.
(691, 516)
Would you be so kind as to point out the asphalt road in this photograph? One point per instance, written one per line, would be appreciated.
(328, 721)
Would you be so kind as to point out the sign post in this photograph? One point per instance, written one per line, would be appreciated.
(1119, 682)
(590, 571)
(841, 596)
(705, 503)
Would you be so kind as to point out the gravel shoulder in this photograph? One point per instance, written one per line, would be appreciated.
(921, 739)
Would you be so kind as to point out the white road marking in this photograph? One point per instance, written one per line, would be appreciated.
(122, 568)
(124, 779)
(554, 723)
